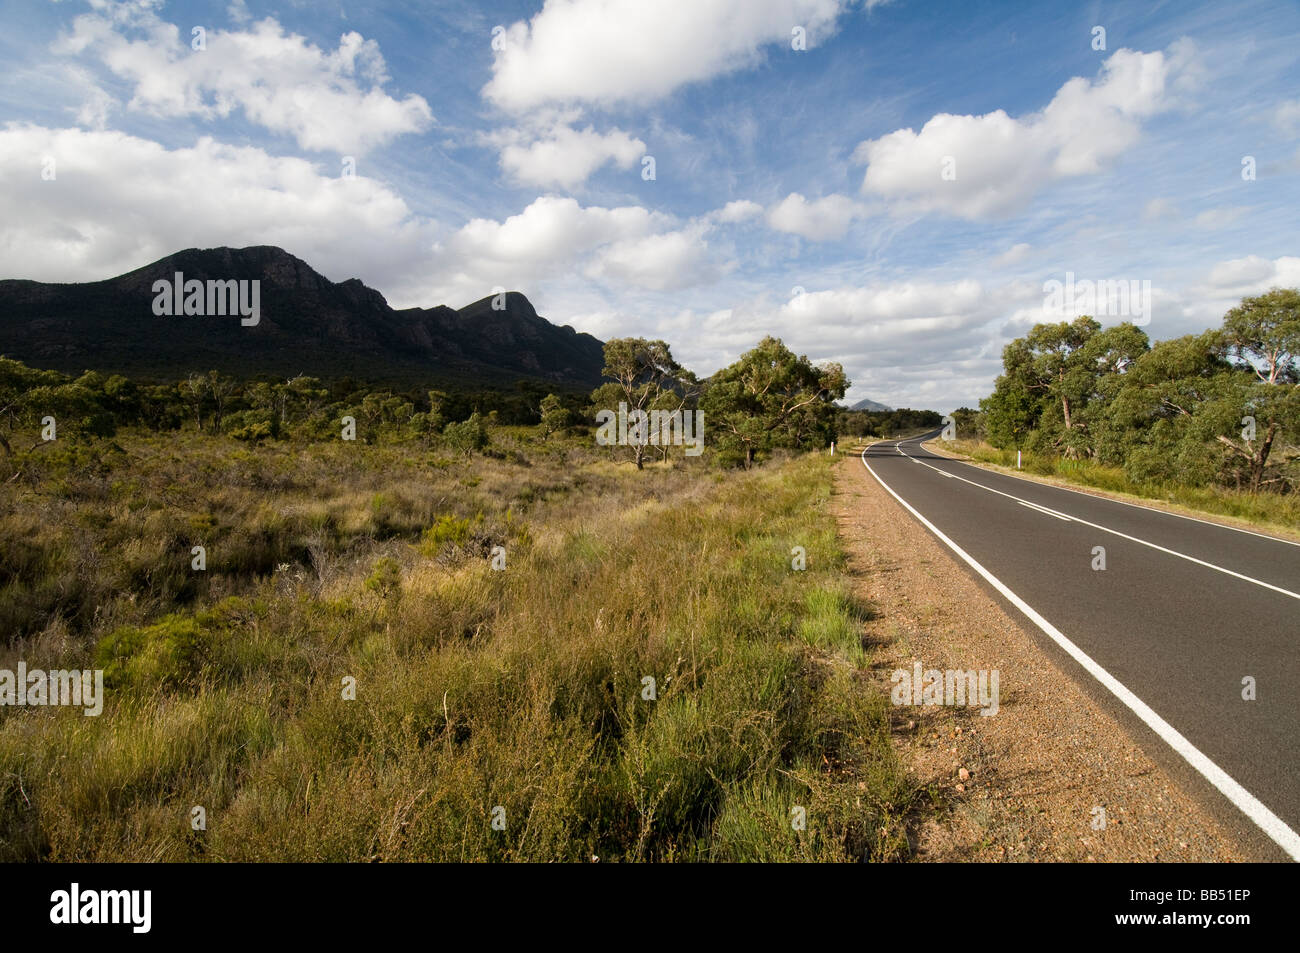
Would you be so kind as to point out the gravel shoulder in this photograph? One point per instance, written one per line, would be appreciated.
(1028, 783)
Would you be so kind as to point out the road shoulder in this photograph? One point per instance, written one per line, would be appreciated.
(1030, 782)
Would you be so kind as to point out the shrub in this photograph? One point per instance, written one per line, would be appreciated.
(386, 579)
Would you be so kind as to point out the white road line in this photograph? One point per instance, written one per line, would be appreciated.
(1247, 803)
(1115, 532)
(1044, 509)
(1111, 499)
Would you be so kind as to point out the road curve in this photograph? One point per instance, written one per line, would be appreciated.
(1183, 611)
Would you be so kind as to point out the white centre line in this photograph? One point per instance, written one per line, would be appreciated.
(1113, 532)
(1035, 506)
(1272, 825)
(1110, 499)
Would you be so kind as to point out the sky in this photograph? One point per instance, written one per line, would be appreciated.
(890, 185)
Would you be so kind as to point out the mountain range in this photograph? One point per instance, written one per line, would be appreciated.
(307, 324)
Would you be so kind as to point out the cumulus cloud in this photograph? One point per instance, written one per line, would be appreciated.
(96, 103)
(628, 246)
(325, 99)
(820, 220)
(742, 210)
(553, 229)
(895, 311)
(117, 202)
(1013, 254)
(1240, 277)
(564, 156)
(908, 343)
(996, 163)
(664, 262)
(609, 51)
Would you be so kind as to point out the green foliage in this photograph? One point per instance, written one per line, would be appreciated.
(467, 437)
(475, 688)
(887, 423)
(174, 652)
(386, 578)
(1218, 408)
(969, 423)
(448, 530)
(555, 415)
(644, 377)
(166, 654)
(772, 398)
(250, 425)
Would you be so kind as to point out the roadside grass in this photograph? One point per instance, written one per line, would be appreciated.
(521, 697)
(1268, 511)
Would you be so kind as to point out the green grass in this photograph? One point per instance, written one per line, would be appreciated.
(523, 690)
(1272, 511)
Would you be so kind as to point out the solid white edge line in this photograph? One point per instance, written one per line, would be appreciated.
(1247, 803)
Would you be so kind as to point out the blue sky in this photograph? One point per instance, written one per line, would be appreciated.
(919, 169)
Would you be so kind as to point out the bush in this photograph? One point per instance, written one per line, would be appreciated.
(468, 437)
(167, 654)
(386, 579)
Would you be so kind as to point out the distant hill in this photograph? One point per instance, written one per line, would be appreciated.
(308, 324)
(869, 405)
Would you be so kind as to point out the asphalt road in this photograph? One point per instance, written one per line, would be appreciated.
(1183, 612)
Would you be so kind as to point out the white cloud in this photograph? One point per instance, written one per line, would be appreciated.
(1198, 305)
(1219, 217)
(628, 247)
(739, 211)
(999, 162)
(326, 100)
(669, 261)
(607, 51)
(553, 229)
(565, 157)
(1013, 254)
(820, 220)
(906, 343)
(895, 311)
(1287, 117)
(96, 104)
(1158, 210)
(1251, 275)
(118, 202)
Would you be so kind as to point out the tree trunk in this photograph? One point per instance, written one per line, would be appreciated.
(1261, 457)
